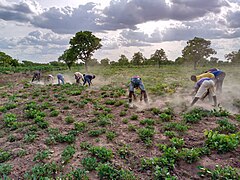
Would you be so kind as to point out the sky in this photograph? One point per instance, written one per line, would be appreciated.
(40, 30)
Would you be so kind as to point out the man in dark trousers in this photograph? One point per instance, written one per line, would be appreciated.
(136, 82)
(219, 75)
(88, 78)
(36, 76)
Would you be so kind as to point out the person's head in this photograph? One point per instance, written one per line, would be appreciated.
(84, 74)
(93, 76)
(194, 78)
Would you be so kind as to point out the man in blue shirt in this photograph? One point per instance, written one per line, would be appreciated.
(36, 76)
(60, 78)
(219, 75)
(88, 78)
(136, 82)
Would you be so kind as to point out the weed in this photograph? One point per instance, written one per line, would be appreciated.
(106, 171)
(195, 115)
(80, 126)
(119, 103)
(89, 163)
(110, 101)
(9, 119)
(29, 137)
(165, 117)
(155, 111)
(21, 153)
(176, 126)
(124, 151)
(146, 134)
(11, 138)
(163, 173)
(85, 145)
(77, 174)
(125, 120)
(123, 113)
(132, 127)
(220, 113)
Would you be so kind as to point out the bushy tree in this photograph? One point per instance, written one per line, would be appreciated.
(233, 57)
(197, 50)
(123, 60)
(105, 62)
(6, 60)
(159, 56)
(69, 57)
(84, 44)
(137, 59)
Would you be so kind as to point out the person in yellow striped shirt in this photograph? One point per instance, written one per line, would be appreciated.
(204, 75)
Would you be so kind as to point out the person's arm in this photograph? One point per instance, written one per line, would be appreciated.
(194, 101)
(194, 91)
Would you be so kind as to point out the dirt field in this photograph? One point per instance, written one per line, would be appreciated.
(102, 108)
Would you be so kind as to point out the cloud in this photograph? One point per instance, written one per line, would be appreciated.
(233, 19)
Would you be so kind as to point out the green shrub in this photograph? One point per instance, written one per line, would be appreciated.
(220, 112)
(163, 173)
(96, 133)
(221, 142)
(67, 153)
(165, 117)
(124, 151)
(125, 120)
(176, 126)
(177, 142)
(147, 121)
(29, 137)
(219, 172)
(195, 115)
(80, 126)
(101, 153)
(110, 135)
(170, 134)
(40, 156)
(77, 174)
(110, 101)
(134, 117)
(145, 134)
(4, 156)
(123, 113)
(132, 127)
(106, 171)
(69, 119)
(89, 163)
(9, 119)
(225, 126)
(5, 169)
(54, 113)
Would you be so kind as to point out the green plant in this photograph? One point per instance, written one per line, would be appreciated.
(5, 169)
(147, 121)
(54, 113)
(9, 119)
(40, 156)
(96, 133)
(170, 134)
(29, 137)
(11, 138)
(123, 113)
(132, 127)
(146, 134)
(67, 154)
(177, 142)
(134, 117)
(124, 151)
(89, 163)
(165, 117)
(80, 126)
(21, 153)
(163, 173)
(77, 174)
(219, 172)
(69, 119)
(110, 135)
(101, 153)
(4, 156)
(225, 126)
(110, 101)
(195, 115)
(221, 142)
(176, 126)
(85, 145)
(42, 171)
(220, 112)
(106, 171)
(190, 155)
(125, 120)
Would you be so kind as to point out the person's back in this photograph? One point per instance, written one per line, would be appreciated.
(88, 78)
(60, 78)
(36, 76)
(205, 75)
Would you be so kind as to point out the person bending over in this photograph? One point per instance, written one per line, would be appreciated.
(88, 79)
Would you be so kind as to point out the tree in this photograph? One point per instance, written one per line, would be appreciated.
(69, 57)
(84, 44)
(5, 60)
(197, 50)
(123, 60)
(138, 58)
(93, 62)
(159, 56)
(233, 57)
(105, 62)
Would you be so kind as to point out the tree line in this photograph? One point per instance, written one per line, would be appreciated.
(83, 45)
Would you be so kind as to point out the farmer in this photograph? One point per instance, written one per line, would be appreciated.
(88, 78)
(50, 78)
(60, 78)
(78, 76)
(219, 75)
(36, 76)
(195, 78)
(136, 82)
(202, 88)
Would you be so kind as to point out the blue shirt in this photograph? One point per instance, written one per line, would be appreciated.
(199, 83)
(216, 73)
